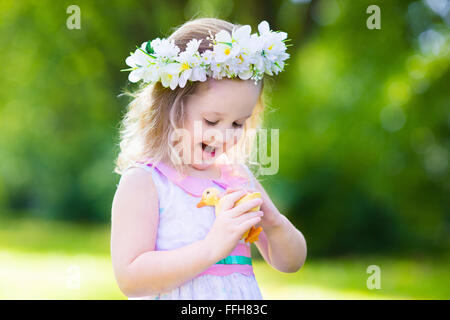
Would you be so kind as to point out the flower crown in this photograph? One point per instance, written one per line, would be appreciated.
(241, 54)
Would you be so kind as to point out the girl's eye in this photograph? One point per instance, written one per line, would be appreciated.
(211, 123)
(237, 125)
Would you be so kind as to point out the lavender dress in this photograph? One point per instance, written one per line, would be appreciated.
(182, 223)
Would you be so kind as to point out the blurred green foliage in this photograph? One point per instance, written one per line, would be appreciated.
(59, 260)
(363, 114)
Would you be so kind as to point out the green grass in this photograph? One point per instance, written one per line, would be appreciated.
(41, 260)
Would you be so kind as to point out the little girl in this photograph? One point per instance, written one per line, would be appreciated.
(202, 93)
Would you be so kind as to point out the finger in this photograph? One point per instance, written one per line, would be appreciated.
(250, 215)
(228, 200)
(247, 224)
(233, 189)
(244, 207)
(229, 190)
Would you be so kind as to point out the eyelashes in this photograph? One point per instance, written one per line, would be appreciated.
(211, 123)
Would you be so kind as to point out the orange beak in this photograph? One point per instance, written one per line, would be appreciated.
(200, 204)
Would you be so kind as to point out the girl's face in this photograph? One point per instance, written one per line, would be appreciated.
(215, 116)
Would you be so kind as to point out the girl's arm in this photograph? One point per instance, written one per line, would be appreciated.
(139, 270)
(280, 243)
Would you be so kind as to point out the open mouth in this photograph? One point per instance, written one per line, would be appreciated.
(209, 150)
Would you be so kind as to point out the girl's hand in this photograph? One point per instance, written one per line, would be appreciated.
(272, 218)
(231, 223)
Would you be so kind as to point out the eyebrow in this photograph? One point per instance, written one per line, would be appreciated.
(216, 113)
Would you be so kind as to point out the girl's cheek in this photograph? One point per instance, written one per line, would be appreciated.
(233, 138)
(193, 135)
(196, 138)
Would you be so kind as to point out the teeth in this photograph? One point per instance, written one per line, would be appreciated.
(209, 149)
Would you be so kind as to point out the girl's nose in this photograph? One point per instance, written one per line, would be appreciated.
(213, 135)
(228, 135)
(220, 135)
(233, 135)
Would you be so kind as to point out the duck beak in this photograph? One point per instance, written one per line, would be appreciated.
(201, 204)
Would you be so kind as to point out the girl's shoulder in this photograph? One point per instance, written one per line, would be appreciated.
(136, 188)
(150, 171)
(137, 177)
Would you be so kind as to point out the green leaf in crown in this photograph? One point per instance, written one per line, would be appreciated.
(149, 48)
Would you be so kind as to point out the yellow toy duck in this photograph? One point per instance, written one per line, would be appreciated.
(210, 197)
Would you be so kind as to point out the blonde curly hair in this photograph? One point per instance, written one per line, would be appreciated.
(155, 111)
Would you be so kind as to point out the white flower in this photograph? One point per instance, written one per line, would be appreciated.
(273, 48)
(170, 75)
(198, 74)
(192, 46)
(190, 61)
(138, 58)
(136, 75)
(246, 74)
(152, 73)
(242, 64)
(217, 71)
(243, 59)
(241, 34)
(263, 28)
(213, 68)
(224, 49)
(164, 49)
